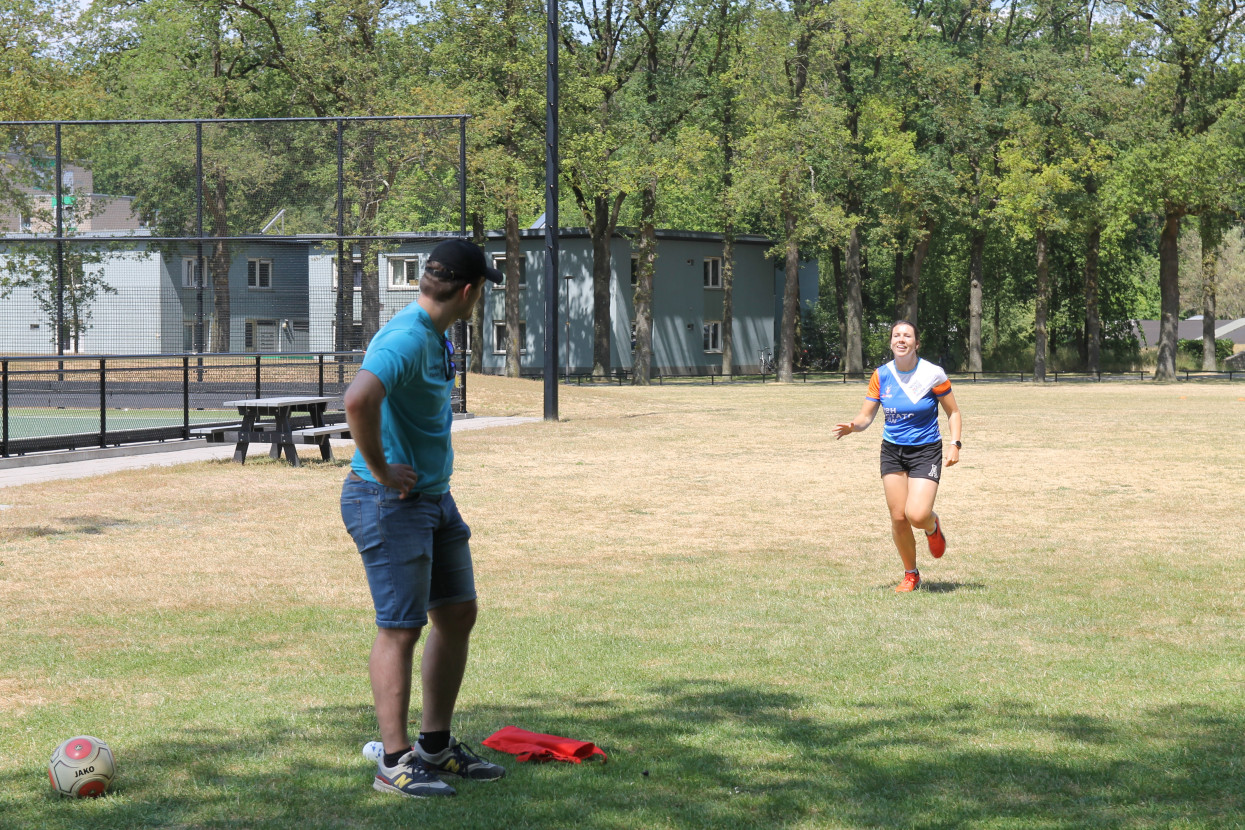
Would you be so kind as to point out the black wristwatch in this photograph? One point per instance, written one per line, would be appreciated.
(958, 445)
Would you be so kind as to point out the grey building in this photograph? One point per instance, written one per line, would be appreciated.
(282, 298)
(687, 299)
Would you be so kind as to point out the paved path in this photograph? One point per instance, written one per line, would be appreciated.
(162, 456)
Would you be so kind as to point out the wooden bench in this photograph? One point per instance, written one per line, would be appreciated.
(333, 430)
(233, 433)
(320, 436)
(215, 435)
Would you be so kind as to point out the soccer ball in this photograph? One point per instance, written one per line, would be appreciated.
(82, 767)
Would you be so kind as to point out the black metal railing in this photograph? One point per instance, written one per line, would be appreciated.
(76, 402)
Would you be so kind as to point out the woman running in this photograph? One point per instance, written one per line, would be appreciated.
(909, 391)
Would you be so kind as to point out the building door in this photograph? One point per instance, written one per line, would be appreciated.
(266, 336)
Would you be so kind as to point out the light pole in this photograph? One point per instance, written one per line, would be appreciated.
(551, 211)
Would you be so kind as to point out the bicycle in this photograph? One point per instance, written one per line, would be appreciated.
(766, 361)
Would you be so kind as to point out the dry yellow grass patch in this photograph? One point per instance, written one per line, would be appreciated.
(692, 490)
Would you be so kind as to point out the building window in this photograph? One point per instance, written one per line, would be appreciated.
(635, 271)
(190, 272)
(404, 273)
(713, 272)
(499, 338)
(713, 336)
(356, 267)
(499, 262)
(259, 273)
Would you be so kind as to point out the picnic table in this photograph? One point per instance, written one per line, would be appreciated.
(268, 421)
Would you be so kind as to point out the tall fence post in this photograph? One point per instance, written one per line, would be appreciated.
(320, 388)
(257, 377)
(344, 290)
(185, 396)
(4, 408)
(103, 403)
(200, 327)
(60, 252)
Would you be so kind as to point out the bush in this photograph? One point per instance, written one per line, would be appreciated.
(1193, 349)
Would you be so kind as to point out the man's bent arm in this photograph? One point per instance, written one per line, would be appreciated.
(362, 401)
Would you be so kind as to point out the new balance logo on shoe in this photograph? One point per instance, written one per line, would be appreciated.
(457, 761)
(409, 778)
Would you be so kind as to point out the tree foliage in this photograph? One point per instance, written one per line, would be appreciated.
(1019, 174)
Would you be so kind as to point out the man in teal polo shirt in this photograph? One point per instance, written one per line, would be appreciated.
(397, 507)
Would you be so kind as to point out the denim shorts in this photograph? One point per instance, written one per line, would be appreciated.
(415, 551)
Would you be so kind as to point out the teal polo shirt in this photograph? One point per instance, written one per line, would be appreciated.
(409, 357)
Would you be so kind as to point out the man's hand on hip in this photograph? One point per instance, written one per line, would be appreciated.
(398, 477)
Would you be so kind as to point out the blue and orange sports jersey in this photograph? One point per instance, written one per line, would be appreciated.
(909, 401)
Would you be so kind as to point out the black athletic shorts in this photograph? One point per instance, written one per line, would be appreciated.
(920, 461)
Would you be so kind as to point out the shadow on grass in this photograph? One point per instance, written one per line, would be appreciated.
(950, 587)
(946, 587)
(711, 755)
(88, 525)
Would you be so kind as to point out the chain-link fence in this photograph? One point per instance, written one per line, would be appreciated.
(290, 237)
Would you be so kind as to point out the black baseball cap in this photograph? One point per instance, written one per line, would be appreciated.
(463, 261)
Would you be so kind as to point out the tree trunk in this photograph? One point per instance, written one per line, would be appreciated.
(217, 203)
(370, 289)
(601, 362)
(790, 297)
(977, 249)
(1042, 308)
(514, 328)
(1169, 293)
(909, 299)
(369, 200)
(855, 306)
(642, 298)
(475, 325)
(728, 240)
(840, 290)
(1093, 321)
(728, 291)
(344, 309)
(642, 301)
(1210, 242)
(998, 313)
(603, 217)
(897, 284)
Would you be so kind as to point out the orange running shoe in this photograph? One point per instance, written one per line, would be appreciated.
(937, 542)
(911, 581)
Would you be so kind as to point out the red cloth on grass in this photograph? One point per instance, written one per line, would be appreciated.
(535, 746)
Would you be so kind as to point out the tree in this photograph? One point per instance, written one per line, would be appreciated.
(174, 59)
(38, 82)
(1189, 41)
(489, 54)
(1049, 151)
(64, 279)
(790, 157)
(35, 267)
(673, 78)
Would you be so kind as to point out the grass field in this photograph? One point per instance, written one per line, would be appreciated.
(699, 580)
